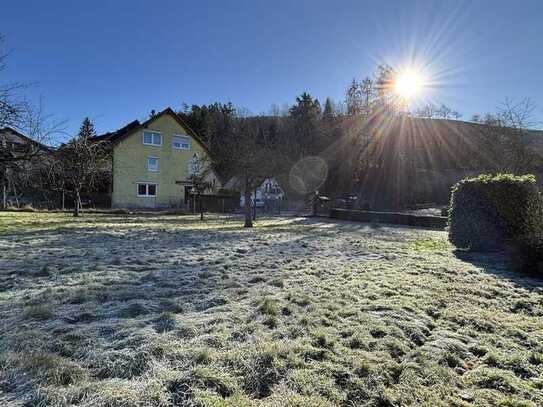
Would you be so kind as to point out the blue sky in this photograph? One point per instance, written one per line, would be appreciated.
(114, 61)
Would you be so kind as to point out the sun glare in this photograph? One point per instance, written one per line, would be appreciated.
(408, 84)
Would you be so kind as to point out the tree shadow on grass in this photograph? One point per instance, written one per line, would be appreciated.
(499, 264)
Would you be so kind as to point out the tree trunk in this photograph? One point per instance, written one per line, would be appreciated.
(247, 207)
(77, 204)
(254, 206)
(4, 192)
(15, 194)
(201, 207)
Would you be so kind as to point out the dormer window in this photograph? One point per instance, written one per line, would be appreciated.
(181, 142)
(152, 138)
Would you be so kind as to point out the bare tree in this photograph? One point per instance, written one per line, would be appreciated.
(515, 120)
(362, 97)
(12, 101)
(431, 111)
(506, 136)
(445, 112)
(201, 170)
(249, 156)
(80, 162)
(24, 129)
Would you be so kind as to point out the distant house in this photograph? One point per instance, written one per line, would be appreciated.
(268, 192)
(15, 146)
(152, 162)
(17, 152)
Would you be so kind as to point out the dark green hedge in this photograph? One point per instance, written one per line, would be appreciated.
(527, 255)
(434, 222)
(496, 212)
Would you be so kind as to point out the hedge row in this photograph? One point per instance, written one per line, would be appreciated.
(434, 222)
(504, 211)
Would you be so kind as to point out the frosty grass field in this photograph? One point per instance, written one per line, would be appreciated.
(125, 310)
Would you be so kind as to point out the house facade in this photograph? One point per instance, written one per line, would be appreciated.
(152, 162)
(19, 155)
(15, 146)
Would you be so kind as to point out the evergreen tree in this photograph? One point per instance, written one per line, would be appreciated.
(306, 114)
(328, 114)
(353, 99)
(367, 90)
(86, 130)
(213, 124)
(384, 83)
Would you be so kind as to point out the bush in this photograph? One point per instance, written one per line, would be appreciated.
(434, 222)
(490, 213)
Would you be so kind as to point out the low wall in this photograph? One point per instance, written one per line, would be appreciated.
(216, 203)
(434, 222)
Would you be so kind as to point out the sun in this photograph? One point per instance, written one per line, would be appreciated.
(408, 84)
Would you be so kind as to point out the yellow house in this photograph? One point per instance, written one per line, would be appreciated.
(152, 162)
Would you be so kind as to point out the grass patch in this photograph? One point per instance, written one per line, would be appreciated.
(422, 245)
(269, 306)
(141, 310)
(40, 312)
(51, 369)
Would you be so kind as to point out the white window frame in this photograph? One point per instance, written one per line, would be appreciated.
(146, 195)
(174, 136)
(157, 164)
(153, 133)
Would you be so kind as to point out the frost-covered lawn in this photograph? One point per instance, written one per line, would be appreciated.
(117, 310)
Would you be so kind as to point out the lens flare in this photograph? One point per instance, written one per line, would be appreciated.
(308, 174)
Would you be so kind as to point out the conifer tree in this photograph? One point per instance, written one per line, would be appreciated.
(328, 114)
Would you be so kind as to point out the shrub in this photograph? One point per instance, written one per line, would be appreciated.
(490, 213)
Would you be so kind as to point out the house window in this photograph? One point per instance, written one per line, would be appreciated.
(152, 164)
(145, 189)
(181, 142)
(152, 138)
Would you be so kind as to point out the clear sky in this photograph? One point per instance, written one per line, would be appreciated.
(114, 61)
